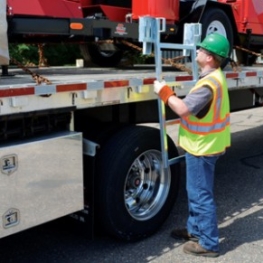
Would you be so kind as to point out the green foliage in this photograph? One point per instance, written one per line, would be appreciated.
(136, 57)
(23, 53)
(62, 54)
(55, 54)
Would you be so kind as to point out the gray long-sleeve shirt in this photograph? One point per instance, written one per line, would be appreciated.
(199, 101)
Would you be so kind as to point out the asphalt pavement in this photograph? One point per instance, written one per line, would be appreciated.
(239, 198)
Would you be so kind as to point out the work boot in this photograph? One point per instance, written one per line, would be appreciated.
(183, 234)
(196, 249)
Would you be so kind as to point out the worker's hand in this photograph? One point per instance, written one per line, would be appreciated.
(158, 85)
(163, 91)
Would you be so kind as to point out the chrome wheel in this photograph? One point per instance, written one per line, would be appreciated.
(146, 186)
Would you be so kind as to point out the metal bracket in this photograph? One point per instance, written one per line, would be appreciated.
(89, 147)
(149, 30)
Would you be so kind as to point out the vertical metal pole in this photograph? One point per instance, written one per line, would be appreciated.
(161, 105)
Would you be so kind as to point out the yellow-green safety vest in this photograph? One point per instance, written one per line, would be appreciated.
(211, 134)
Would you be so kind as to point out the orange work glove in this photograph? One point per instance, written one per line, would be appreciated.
(162, 90)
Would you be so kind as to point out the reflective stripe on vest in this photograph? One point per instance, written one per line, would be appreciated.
(206, 128)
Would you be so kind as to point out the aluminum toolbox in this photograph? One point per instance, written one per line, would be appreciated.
(40, 180)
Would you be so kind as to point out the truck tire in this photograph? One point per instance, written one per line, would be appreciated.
(92, 53)
(216, 20)
(134, 197)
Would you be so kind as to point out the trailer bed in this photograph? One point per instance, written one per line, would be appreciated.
(93, 87)
(18, 77)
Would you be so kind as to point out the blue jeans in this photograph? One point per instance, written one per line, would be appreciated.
(202, 220)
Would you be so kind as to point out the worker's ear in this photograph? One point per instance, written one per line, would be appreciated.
(209, 58)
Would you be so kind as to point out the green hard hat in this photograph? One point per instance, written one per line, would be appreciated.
(216, 43)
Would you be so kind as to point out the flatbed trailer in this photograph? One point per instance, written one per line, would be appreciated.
(76, 144)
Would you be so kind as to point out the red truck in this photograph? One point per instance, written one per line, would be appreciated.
(90, 22)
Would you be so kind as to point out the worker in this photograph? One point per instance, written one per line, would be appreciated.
(204, 134)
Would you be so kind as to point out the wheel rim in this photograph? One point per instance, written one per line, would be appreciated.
(107, 54)
(216, 26)
(146, 186)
